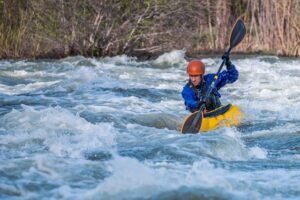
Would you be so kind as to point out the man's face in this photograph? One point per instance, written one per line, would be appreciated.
(195, 79)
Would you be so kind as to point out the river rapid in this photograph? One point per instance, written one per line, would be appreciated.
(108, 128)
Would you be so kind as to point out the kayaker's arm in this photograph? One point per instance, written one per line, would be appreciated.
(232, 73)
(227, 76)
(190, 100)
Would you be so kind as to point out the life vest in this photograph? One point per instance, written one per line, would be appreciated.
(200, 90)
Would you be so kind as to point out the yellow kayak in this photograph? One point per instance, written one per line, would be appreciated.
(229, 115)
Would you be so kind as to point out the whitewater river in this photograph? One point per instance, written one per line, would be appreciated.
(108, 128)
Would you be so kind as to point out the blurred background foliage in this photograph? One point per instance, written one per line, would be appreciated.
(145, 28)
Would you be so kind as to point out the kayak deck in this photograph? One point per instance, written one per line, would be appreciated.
(228, 115)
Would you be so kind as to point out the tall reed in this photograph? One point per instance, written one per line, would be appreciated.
(58, 28)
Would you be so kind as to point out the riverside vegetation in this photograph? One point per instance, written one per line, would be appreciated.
(144, 28)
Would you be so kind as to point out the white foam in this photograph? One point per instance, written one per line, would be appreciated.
(82, 74)
(130, 179)
(33, 75)
(17, 73)
(9, 190)
(64, 133)
(120, 60)
(25, 88)
(211, 63)
(42, 166)
(232, 147)
(258, 152)
(133, 179)
(205, 174)
(106, 109)
(174, 57)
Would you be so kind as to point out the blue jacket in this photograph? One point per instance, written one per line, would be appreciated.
(189, 92)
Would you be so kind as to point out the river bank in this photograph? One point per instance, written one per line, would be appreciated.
(145, 29)
(147, 56)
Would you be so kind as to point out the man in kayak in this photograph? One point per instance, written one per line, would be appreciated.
(195, 90)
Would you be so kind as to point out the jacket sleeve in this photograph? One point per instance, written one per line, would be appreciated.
(227, 76)
(190, 100)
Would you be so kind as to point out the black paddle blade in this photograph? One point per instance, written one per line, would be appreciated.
(188, 126)
(237, 34)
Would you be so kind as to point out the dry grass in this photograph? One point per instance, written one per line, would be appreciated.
(58, 28)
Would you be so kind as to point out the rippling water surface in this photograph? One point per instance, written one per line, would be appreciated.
(83, 128)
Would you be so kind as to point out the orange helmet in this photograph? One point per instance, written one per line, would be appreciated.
(195, 67)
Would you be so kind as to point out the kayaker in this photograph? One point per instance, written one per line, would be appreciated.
(194, 91)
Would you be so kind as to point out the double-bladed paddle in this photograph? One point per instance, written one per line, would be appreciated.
(193, 122)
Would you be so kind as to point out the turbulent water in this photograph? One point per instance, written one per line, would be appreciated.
(108, 128)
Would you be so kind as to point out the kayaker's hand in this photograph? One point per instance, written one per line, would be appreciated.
(227, 61)
(201, 102)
